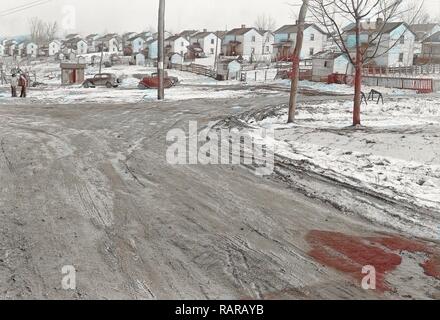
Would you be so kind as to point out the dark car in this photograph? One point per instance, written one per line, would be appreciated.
(152, 82)
(102, 80)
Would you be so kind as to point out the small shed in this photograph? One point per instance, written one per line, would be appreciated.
(72, 73)
(176, 58)
(140, 59)
(326, 63)
(229, 70)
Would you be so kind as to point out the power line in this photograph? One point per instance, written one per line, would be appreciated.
(23, 7)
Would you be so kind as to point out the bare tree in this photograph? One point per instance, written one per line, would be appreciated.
(416, 12)
(51, 31)
(37, 30)
(295, 60)
(41, 32)
(265, 22)
(369, 41)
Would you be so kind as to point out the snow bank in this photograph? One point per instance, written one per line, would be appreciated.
(395, 157)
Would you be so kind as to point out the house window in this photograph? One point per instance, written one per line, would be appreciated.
(401, 57)
(140, 43)
(254, 39)
(402, 40)
(212, 50)
(325, 64)
(182, 44)
(267, 48)
(312, 37)
(312, 50)
(212, 41)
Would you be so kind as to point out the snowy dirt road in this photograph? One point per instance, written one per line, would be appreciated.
(89, 186)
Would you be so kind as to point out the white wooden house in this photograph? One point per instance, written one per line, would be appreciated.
(422, 32)
(396, 47)
(31, 49)
(75, 45)
(137, 43)
(152, 49)
(92, 42)
(285, 40)
(431, 48)
(108, 43)
(10, 47)
(208, 42)
(176, 44)
(54, 48)
(268, 41)
(245, 42)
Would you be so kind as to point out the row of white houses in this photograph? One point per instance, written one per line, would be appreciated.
(399, 44)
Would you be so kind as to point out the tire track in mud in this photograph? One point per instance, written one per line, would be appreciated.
(5, 156)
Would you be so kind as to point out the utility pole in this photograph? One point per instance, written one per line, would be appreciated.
(296, 60)
(216, 53)
(102, 57)
(161, 50)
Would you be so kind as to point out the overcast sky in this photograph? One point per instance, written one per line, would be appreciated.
(97, 16)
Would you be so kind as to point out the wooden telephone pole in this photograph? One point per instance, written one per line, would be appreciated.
(161, 50)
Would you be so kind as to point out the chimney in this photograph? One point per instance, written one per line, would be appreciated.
(205, 30)
(243, 26)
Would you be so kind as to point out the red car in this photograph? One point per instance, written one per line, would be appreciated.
(152, 82)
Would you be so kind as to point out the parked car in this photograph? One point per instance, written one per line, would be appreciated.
(103, 79)
(152, 82)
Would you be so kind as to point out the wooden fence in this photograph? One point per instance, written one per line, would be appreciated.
(420, 85)
(196, 68)
(399, 71)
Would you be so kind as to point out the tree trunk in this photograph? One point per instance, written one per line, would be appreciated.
(357, 95)
(296, 60)
(358, 79)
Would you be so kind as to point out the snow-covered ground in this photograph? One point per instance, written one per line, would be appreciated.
(191, 86)
(395, 157)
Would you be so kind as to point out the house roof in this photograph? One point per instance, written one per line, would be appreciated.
(151, 41)
(293, 28)
(108, 37)
(201, 34)
(188, 33)
(239, 31)
(433, 38)
(174, 38)
(221, 34)
(140, 35)
(73, 40)
(423, 27)
(422, 30)
(72, 35)
(389, 27)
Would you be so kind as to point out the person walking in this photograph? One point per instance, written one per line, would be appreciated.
(14, 84)
(23, 83)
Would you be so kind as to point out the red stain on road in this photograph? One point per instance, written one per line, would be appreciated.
(349, 254)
